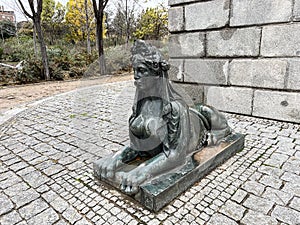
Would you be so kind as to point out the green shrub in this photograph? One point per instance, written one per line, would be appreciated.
(7, 75)
(17, 49)
(118, 59)
(32, 71)
(1, 53)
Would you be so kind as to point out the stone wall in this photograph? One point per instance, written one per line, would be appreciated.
(239, 56)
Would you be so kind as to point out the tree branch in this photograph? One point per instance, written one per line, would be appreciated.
(95, 8)
(105, 3)
(39, 7)
(24, 10)
(31, 4)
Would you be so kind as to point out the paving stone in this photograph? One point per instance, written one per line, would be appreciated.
(271, 171)
(287, 149)
(292, 188)
(295, 203)
(71, 215)
(291, 177)
(254, 218)
(292, 165)
(5, 204)
(61, 222)
(50, 196)
(233, 210)
(53, 169)
(8, 179)
(83, 222)
(35, 179)
(22, 223)
(220, 219)
(277, 196)
(271, 181)
(253, 187)
(258, 204)
(239, 195)
(24, 197)
(33, 209)
(10, 218)
(286, 215)
(49, 216)
(18, 166)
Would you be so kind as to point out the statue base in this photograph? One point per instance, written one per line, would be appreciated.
(158, 192)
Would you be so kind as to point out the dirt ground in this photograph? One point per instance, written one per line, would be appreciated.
(11, 96)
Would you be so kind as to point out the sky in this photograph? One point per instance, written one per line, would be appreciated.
(10, 5)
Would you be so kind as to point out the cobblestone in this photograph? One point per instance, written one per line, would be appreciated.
(10, 218)
(233, 210)
(33, 209)
(277, 196)
(5, 204)
(258, 204)
(46, 156)
(286, 215)
(254, 218)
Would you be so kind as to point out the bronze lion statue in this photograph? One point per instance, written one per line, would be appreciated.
(163, 130)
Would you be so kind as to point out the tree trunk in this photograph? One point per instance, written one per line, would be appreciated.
(38, 27)
(88, 36)
(127, 22)
(99, 13)
(34, 42)
(99, 31)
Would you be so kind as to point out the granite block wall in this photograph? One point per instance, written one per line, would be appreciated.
(239, 56)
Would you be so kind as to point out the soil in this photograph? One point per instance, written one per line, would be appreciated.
(12, 96)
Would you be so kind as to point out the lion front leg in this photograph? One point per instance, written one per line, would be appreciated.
(159, 164)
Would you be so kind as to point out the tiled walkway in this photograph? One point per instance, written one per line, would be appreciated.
(46, 156)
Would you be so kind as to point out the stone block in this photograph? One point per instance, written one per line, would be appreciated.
(260, 11)
(211, 71)
(186, 45)
(206, 15)
(229, 99)
(296, 10)
(277, 105)
(265, 73)
(191, 93)
(281, 40)
(293, 74)
(234, 42)
(176, 69)
(176, 20)
(176, 2)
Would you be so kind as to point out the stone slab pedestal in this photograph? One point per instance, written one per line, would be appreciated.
(161, 190)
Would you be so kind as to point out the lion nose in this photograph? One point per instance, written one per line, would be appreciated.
(137, 75)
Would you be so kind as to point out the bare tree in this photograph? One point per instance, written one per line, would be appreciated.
(35, 16)
(99, 7)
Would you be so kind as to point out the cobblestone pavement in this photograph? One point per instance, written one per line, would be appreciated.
(46, 156)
